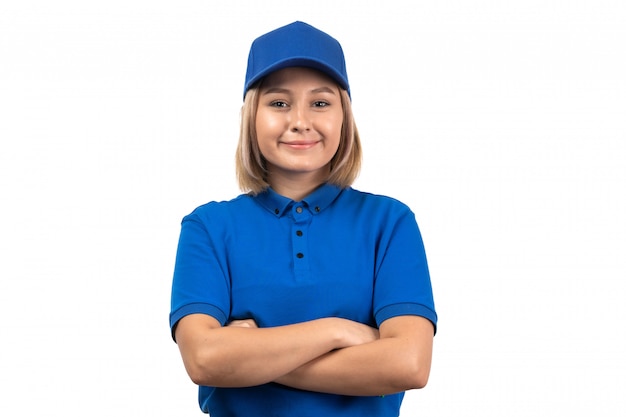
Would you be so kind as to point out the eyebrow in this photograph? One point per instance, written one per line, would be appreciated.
(323, 90)
(280, 90)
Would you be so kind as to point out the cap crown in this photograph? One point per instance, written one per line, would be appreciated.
(296, 45)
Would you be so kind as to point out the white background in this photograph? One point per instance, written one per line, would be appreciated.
(502, 124)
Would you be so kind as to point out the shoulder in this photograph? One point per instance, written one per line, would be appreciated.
(373, 212)
(220, 210)
(376, 202)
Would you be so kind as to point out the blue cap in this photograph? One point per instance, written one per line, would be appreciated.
(296, 45)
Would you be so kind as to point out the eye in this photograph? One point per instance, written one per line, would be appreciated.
(278, 103)
(320, 104)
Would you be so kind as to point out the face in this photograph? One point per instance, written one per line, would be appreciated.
(298, 124)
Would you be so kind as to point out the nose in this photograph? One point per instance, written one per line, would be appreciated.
(300, 119)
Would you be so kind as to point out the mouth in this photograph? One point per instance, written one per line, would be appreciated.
(301, 145)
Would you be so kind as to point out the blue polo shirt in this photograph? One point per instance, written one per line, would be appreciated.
(337, 253)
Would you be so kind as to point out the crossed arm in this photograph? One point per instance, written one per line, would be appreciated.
(330, 355)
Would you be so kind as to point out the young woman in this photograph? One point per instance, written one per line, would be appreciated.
(304, 296)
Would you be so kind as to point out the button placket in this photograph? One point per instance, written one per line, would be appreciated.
(302, 219)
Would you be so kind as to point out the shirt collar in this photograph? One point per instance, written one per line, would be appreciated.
(316, 202)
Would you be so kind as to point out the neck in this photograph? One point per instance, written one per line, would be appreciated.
(296, 186)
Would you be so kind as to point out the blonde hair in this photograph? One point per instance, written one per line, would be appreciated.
(250, 164)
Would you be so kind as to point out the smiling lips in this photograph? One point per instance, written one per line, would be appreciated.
(301, 144)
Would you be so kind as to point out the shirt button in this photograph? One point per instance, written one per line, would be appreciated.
(276, 211)
(299, 232)
(317, 209)
(298, 209)
(299, 255)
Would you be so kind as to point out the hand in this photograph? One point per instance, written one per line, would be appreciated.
(354, 333)
(247, 323)
(351, 333)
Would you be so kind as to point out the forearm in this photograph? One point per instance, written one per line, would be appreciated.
(243, 355)
(360, 370)
(236, 357)
(384, 366)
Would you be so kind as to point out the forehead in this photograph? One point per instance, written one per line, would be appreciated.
(294, 75)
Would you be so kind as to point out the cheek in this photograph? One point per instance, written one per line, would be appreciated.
(333, 130)
(267, 123)
(267, 131)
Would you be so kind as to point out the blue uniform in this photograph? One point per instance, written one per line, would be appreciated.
(337, 253)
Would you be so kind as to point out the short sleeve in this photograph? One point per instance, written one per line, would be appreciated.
(200, 283)
(402, 283)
